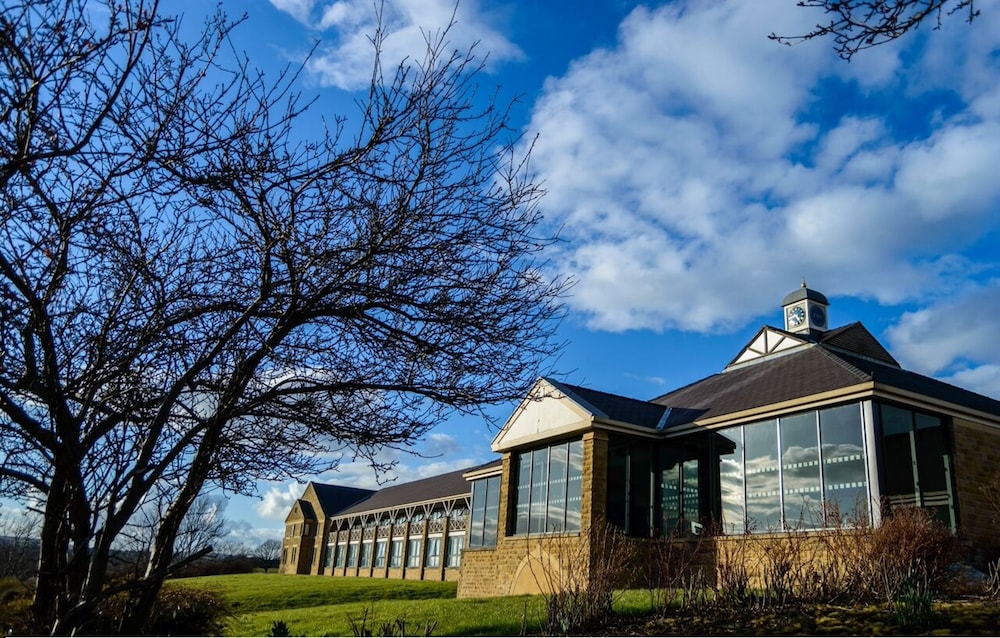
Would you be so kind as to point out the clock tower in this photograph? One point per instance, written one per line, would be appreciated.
(805, 310)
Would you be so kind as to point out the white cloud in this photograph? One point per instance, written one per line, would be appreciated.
(699, 170)
(301, 10)
(345, 58)
(955, 337)
(277, 502)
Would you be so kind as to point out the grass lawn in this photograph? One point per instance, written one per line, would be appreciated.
(325, 606)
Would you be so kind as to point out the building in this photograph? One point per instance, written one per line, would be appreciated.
(805, 424)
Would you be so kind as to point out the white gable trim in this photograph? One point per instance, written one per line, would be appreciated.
(547, 412)
(767, 342)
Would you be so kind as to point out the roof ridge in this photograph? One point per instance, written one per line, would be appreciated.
(850, 367)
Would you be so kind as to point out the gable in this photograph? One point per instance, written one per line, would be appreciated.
(768, 341)
(546, 412)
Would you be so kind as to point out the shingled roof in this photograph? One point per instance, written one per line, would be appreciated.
(333, 498)
(443, 486)
(614, 407)
(839, 359)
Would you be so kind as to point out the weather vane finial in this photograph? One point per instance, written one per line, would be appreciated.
(803, 282)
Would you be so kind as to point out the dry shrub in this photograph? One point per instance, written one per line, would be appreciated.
(675, 570)
(911, 547)
(991, 491)
(733, 571)
(579, 583)
(903, 562)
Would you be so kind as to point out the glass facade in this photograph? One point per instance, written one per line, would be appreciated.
(547, 494)
(485, 516)
(787, 473)
(801, 471)
(916, 457)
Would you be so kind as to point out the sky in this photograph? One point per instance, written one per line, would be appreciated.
(699, 172)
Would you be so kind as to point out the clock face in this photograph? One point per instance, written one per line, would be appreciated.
(817, 316)
(796, 316)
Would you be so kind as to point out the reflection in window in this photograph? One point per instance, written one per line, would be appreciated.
(485, 512)
(680, 492)
(455, 545)
(548, 492)
(801, 489)
(794, 472)
(413, 552)
(729, 448)
(845, 479)
(915, 447)
(433, 552)
(380, 553)
(366, 554)
(760, 445)
(396, 553)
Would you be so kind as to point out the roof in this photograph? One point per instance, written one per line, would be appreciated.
(443, 486)
(334, 498)
(804, 293)
(839, 359)
(614, 407)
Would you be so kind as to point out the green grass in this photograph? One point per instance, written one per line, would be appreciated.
(325, 606)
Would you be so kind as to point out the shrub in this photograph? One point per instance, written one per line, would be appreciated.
(179, 611)
(910, 546)
(15, 607)
(579, 583)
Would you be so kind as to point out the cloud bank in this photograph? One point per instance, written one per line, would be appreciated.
(699, 171)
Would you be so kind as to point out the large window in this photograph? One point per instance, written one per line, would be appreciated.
(352, 555)
(630, 483)
(396, 553)
(413, 552)
(485, 512)
(547, 497)
(433, 552)
(916, 464)
(455, 545)
(681, 485)
(366, 555)
(794, 472)
(380, 553)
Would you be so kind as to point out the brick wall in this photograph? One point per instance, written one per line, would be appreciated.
(977, 464)
(530, 564)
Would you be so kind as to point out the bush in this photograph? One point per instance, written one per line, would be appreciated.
(15, 607)
(179, 611)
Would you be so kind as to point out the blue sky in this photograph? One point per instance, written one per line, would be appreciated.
(700, 171)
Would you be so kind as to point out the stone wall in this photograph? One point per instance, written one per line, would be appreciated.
(529, 564)
(977, 465)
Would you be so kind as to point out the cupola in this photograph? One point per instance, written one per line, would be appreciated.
(805, 310)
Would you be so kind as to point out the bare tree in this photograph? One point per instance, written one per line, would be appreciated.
(197, 292)
(201, 532)
(856, 25)
(18, 544)
(269, 551)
